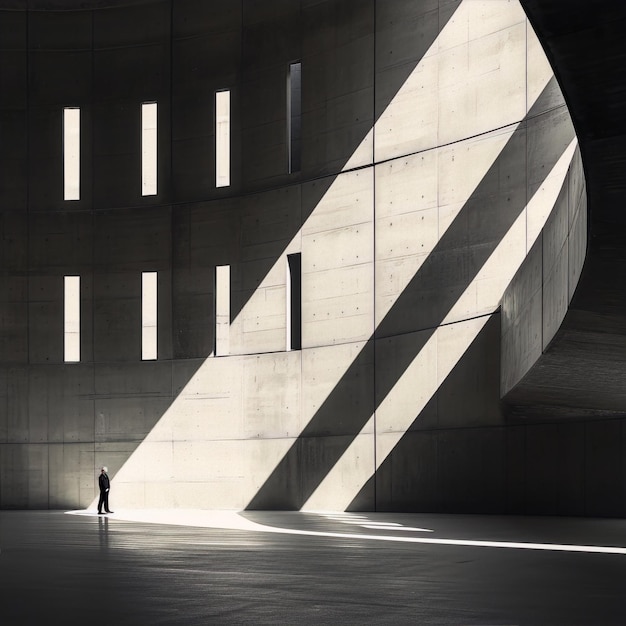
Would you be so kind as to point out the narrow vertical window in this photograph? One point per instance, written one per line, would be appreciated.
(71, 319)
(294, 115)
(148, 316)
(222, 138)
(294, 301)
(222, 309)
(149, 149)
(71, 153)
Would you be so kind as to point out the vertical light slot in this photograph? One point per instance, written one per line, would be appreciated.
(148, 316)
(222, 310)
(222, 138)
(71, 153)
(149, 149)
(294, 301)
(294, 115)
(71, 319)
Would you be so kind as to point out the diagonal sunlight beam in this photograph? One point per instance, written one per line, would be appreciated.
(216, 418)
(288, 486)
(425, 37)
(420, 380)
(413, 120)
(211, 383)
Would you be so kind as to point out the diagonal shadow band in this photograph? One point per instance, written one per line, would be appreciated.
(435, 461)
(411, 41)
(498, 200)
(251, 232)
(217, 232)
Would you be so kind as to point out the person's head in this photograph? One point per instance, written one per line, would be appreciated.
(104, 469)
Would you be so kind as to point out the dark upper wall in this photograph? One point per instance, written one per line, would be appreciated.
(68, 5)
(109, 61)
(107, 58)
(585, 44)
(177, 53)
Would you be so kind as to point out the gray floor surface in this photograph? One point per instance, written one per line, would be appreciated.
(309, 568)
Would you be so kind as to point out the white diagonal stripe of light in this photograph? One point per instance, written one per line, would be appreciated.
(420, 380)
(142, 464)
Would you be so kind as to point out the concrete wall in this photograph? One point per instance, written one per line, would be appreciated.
(435, 143)
(535, 303)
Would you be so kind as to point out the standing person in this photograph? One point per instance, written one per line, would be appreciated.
(105, 485)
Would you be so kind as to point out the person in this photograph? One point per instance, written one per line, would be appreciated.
(105, 485)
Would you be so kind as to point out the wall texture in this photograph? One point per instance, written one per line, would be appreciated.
(435, 150)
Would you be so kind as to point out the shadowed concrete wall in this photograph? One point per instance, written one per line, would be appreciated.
(566, 452)
(435, 143)
(535, 303)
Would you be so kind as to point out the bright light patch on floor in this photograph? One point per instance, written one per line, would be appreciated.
(399, 527)
(386, 524)
(233, 520)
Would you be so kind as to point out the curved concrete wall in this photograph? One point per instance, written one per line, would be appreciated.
(535, 303)
(435, 143)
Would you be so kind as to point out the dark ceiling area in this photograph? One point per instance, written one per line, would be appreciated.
(67, 5)
(583, 371)
(586, 45)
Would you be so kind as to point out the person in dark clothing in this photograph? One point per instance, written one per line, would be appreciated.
(105, 485)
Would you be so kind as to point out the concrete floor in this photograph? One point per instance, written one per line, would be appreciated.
(199, 567)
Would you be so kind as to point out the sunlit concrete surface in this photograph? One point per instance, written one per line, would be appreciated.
(226, 567)
(417, 158)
